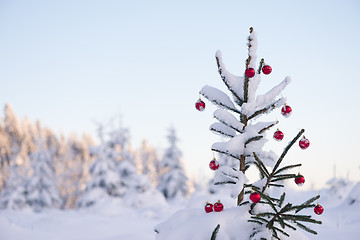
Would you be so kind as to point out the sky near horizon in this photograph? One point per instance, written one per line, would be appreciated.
(73, 63)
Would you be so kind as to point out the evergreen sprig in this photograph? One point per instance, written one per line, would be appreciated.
(214, 233)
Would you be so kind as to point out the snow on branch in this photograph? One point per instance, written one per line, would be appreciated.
(230, 176)
(263, 126)
(263, 100)
(228, 119)
(252, 48)
(222, 129)
(235, 147)
(266, 102)
(268, 108)
(218, 98)
(233, 83)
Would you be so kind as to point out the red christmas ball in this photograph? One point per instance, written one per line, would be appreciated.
(286, 110)
(255, 197)
(318, 209)
(250, 72)
(278, 135)
(266, 69)
(214, 165)
(200, 105)
(299, 180)
(208, 207)
(218, 207)
(304, 143)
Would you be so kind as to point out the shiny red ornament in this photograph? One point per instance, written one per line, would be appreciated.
(200, 105)
(214, 164)
(318, 209)
(250, 72)
(255, 197)
(278, 135)
(299, 180)
(218, 207)
(304, 143)
(266, 69)
(286, 110)
(208, 207)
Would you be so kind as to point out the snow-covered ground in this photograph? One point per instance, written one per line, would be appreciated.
(113, 221)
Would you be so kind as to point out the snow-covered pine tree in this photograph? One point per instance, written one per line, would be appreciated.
(105, 180)
(173, 181)
(138, 190)
(41, 187)
(12, 171)
(4, 154)
(14, 194)
(13, 131)
(149, 161)
(114, 175)
(268, 218)
(73, 163)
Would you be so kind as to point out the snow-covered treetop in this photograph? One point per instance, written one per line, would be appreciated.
(172, 153)
(243, 88)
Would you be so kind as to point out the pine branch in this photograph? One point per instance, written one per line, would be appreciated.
(256, 138)
(225, 153)
(283, 232)
(214, 101)
(260, 66)
(306, 228)
(229, 175)
(303, 218)
(255, 221)
(284, 177)
(289, 226)
(260, 219)
(269, 200)
(275, 185)
(266, 214)
(281, 221)
(261, 171)
(219, 98)
(218, 62)
(214, 233)
(222, 183)
(262, 166)
(290, 175)
(286, 168)
(246, 87)
(286, 208)
(246, 82)
(270, 178)
(268, 127)
(282, 198)
(226, 122)
(306, 204)
(287, 149)
(221, 132)
(243, 203)
(266, 109)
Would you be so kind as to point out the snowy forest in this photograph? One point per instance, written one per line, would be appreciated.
(64, 185)
(42, 170)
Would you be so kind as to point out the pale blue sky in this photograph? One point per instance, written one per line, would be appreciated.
(68, 63)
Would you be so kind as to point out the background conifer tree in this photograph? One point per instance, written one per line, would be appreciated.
(173, 180)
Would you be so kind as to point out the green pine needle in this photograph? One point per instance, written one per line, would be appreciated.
(282, 198)
(214, 233)
(306, 228)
